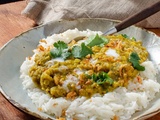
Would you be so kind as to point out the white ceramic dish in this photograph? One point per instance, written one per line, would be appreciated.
(15, 51)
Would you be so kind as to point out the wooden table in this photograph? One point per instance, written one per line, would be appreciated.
(12, 24)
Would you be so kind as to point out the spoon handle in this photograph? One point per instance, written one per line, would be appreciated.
(135, 18)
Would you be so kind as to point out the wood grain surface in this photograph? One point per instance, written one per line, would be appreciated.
(11, 25)
(12, 22)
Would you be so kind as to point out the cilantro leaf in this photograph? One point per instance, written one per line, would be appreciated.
(60, 45)
(94, 77)
(85, 50)
(125, 36)
(134, 59)
(65, 55)
(76, 51)
(55, 53)
(81, 51)
(96, 40)
(60, 50)
(133, 38)
(104, 78)
(101, 78)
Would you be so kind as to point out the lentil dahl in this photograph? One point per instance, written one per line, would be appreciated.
(52, 78)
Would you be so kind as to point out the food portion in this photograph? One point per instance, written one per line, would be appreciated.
(95, 77)
(94, 65)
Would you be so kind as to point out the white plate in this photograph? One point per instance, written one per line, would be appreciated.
(15, 51)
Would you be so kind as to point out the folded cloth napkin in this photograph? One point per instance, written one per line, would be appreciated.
(43, 11)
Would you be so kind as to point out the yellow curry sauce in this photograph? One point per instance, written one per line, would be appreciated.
(74, 77)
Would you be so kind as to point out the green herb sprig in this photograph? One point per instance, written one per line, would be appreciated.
(127, 37)
(61, 49)
(96, 40)
(101, 78)
(134, 59)
(81, 51)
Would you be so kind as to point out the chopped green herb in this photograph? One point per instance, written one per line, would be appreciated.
(133, 38)
(81, 51)
(125, 36)
(134, 59)
(104, 78)
(60, 45)
(66, 54)
(60, 50)
(55, 53)
(94, 77)
(96, 40)
(76, 51)
(101, 78)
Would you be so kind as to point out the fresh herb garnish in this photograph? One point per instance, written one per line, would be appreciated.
(101, 78)
(66, 54)
(134, 59)
(81, 51)
(126, 36)
(133, 38)
(60, 50)
(96, 40)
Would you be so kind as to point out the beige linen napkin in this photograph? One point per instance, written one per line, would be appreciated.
(42, 11)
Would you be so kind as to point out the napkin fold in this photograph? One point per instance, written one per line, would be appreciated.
(43, 11)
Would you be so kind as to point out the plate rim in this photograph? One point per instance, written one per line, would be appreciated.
(24, 109)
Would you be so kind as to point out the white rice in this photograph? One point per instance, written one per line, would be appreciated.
(122, 102)
(112, 52)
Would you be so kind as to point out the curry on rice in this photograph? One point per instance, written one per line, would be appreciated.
(95, 78)
(111, 62)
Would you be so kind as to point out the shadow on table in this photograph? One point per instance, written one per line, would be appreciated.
(7, 1)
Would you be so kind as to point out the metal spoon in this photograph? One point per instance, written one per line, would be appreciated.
(134, 18)
(130, 20)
